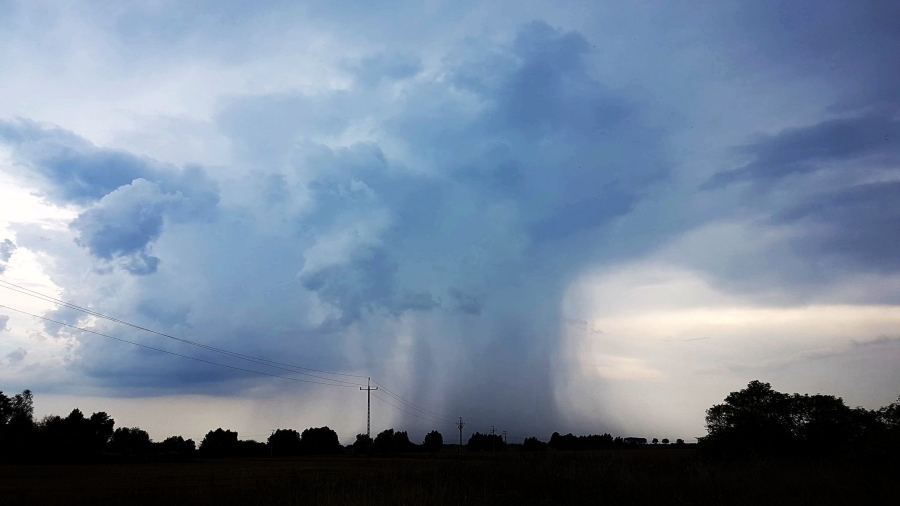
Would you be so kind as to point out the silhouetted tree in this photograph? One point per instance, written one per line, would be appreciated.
(16, 411)
(433, 442)
(533, 444)
(131, 442)
(665, 441)
(402, 443)
(284, 442)
(362, 444)
(593, 442)
(759, 420)
(251, 448)
(320, 441)
(74, 437)
(817, 419)
(383, 442)
(101, 429)
(176, 448)
(888, 418)
(389, 441)
(756, 417)
(219, 443)
(479, 442)
(655, 441)
(567, 442)
(17, 428)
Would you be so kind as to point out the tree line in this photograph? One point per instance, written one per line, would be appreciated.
(78, 437)
(760, 421)
(756, 420)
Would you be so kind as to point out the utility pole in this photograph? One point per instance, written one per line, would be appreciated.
(504, 437)
(492, 438)
(368, 390)
(460, 425)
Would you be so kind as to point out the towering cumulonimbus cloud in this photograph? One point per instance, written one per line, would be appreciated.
(568, 224)
(457, 222)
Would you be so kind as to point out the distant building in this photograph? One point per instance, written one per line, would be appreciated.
(635, 440)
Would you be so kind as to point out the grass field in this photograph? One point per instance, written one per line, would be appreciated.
(628, 477)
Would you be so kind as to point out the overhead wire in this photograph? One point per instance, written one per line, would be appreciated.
(173, 353)
(249, 358)
(428, 415)
(411, 413)
(424, 411)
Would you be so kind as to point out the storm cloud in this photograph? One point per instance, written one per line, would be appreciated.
(436, 206)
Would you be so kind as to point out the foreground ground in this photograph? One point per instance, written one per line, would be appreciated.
(631, 477)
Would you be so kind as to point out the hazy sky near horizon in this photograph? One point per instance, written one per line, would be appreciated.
(573, 216)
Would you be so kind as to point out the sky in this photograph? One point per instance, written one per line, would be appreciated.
(542, 216)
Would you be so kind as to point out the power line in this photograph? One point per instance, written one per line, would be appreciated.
(249, 358)
(176, 354)
(413, 406)
(428, 415)
(258, 360)
(410, 413)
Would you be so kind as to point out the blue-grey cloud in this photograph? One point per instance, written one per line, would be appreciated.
(851, 45)
(479, 195)
(124, 221)
(840, 171)
(573, 217)
(163, 312)
(548, 136)
(76, 170)
(261, 126)
(276, 190)
(7, 248)
(128, 198)
(373, 70)
(365, 282)
(466, 302)
(860, 224)
(15, 356)
(850, 223)
(811, 148)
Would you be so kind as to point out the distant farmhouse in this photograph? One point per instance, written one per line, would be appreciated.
(635, 440)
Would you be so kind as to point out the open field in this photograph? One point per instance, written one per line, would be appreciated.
(629, 477)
